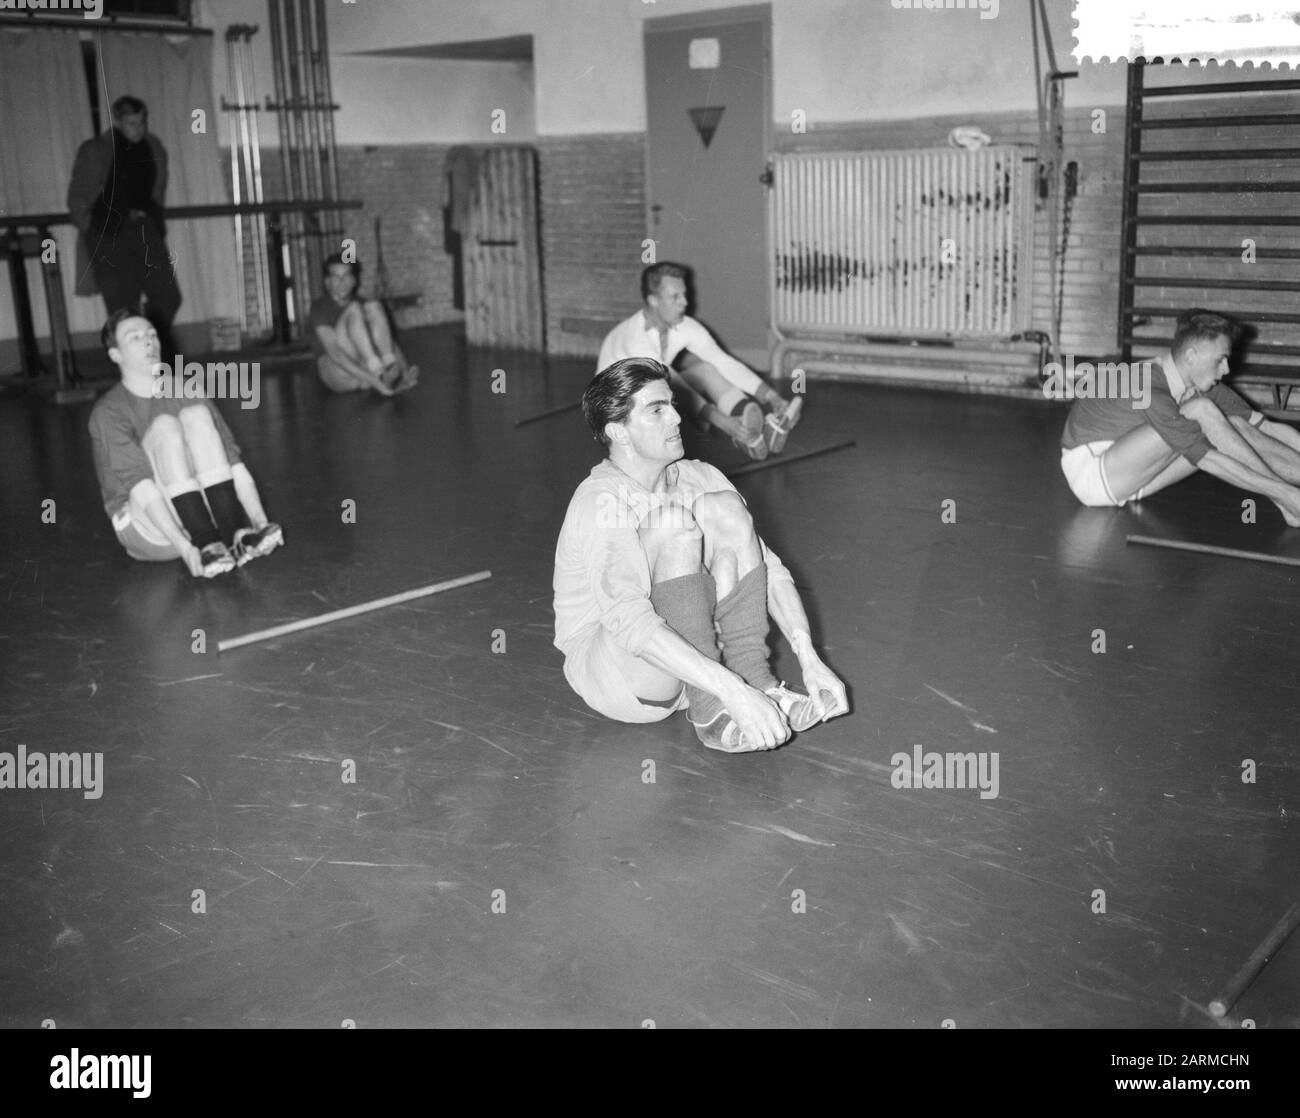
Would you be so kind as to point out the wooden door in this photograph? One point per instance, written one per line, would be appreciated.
(503, 274)
(708, 107)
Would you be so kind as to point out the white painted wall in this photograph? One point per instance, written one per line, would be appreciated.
(385, 100)
(837, 60)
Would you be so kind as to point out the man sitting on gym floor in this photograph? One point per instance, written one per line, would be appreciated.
(1113, 453)
(663, 587)
(351, 338)
(719, 390)
(169, 468)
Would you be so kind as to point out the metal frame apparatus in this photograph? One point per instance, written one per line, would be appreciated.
(246, 163)
(305, 108)
(1184, 205)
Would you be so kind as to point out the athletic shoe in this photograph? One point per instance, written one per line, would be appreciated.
(799, 710)
(750, 436)
(725, 736)
(751, 416)
(254, 543)
(409, 378)
(778, 427)
(216, 559)
(756, 448)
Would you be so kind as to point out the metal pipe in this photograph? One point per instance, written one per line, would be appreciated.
(258, 220)
(234, 184)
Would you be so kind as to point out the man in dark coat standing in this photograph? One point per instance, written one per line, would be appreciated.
(119, 181)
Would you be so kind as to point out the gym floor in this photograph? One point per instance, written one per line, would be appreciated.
(1120, 876)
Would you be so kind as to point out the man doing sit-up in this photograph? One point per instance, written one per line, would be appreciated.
(719, 390)
(1113, 453)
(351, 338)
(663, 587)
(169, 470)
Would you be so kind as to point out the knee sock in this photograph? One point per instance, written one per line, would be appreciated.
(227, 512)
(195, 518)
(742, 629)
(687, 604)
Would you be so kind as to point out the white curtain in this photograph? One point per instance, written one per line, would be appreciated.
(45, 117)
(172, 74)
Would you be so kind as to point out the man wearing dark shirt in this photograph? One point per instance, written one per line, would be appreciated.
(169, 470)
(119, 180)
(1113, 452)
(351, 338)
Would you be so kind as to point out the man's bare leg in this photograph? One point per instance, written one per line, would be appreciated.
(1239, 463)
(704, 378)
(397, 371)
(213, 469)
(1179, 470)
(353, 331)
(1280, 458)
(165, 445)
(731, 547)
(731, 410)
(674, 548)
(1138, 460)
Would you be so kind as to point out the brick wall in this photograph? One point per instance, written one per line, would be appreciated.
(593, 222)
(403, 185)
(592, 195)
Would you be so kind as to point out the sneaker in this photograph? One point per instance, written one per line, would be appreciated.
(216, 559)
(799, 710)
(749, 436)
(756, 448)
(409, 379)
(725, 736)
(778, 427)
(254, 543)
(751, 418)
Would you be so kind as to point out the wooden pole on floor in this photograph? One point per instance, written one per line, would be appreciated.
(1210, 549)
(1239, 982)
(350, 611)
(548, 413)
(786, 459)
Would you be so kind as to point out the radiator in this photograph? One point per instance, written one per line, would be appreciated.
(927, 243)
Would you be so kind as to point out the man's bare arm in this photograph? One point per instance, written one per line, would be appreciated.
(160, 515)
(1283, 432)
(786, 608)
(1234, 472)
(1223, 436)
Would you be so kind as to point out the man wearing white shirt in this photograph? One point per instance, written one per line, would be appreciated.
(722, 392)
(663, 587)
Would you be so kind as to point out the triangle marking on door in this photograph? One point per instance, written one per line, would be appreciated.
(706, 122)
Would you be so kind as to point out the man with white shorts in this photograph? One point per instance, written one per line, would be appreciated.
(1113, 453)
(719, 390)
(169, 469)
(663, 587)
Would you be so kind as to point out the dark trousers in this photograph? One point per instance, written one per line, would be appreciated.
(133, 263)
